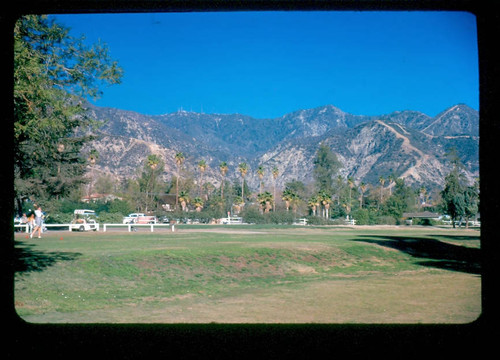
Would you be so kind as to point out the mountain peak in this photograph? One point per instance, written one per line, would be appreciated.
(458, 119)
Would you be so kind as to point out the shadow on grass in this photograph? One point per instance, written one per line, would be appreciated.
(436, 253)
(26, 259)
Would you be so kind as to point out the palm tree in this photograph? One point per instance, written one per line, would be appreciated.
(325, 199)
(275, 173)
(381, 180)
(223, 170)
(198, 203)
(179, 159)
(260, 172)
(243, 169)
(238, 203)
(391, 181)
(202, 165)
(92, 159)
(152, 162)
(422, 195)
(265, 199)
(287, 196)
(313, 203)
(362, 187)
(184, 200)
(350, 182)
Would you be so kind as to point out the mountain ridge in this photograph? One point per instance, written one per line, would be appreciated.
(404, 143)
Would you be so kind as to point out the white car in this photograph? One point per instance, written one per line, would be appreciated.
(132, 218)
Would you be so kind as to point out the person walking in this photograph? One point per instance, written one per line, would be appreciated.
(38, 223)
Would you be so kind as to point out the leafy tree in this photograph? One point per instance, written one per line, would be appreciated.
(326, 165)
(453, 196)
(402, 199)
(471, 203)
(53, 73)
(458, 199)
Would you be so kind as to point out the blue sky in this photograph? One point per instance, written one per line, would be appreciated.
(267, 64)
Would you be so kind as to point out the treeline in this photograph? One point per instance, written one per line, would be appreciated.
(327, 199)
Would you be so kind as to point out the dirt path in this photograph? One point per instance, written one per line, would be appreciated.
(412, 171)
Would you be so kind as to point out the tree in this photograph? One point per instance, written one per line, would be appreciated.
(202, 166)
(391, 179)
(350, 183)
(287, 196)
(453, 197)
(456, 196)
(326, 166)
(471, 203)
(260, 173)
(313, 203)
(275, 173)
(243, 169)
(92, 159)
(153, 163)
(381, 180)
(290, 198)
(325, 199)
(198, 203)
(238, 203)
(152, 168)
(179, 160)
(402, 199)
(265, 200)
(53, 74)
(362, 187)
(184, 200)
(223, 170)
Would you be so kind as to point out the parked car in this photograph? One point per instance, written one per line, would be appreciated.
(84, 220)
(164, 220)
(132, 218)
(146, 220)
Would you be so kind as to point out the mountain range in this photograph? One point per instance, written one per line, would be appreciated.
(407, 144)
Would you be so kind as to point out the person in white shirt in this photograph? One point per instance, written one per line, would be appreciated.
(38, 223)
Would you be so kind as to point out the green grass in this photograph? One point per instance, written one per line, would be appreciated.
(83, 272)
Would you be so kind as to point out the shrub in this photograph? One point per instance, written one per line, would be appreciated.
(253, 216)
(386, 220)
(280, 217)
(59, 218)
(110, 218)
(317, 220)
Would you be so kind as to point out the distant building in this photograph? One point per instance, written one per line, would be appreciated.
(100, 197)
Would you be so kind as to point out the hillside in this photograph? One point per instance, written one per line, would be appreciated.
(408, 144)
